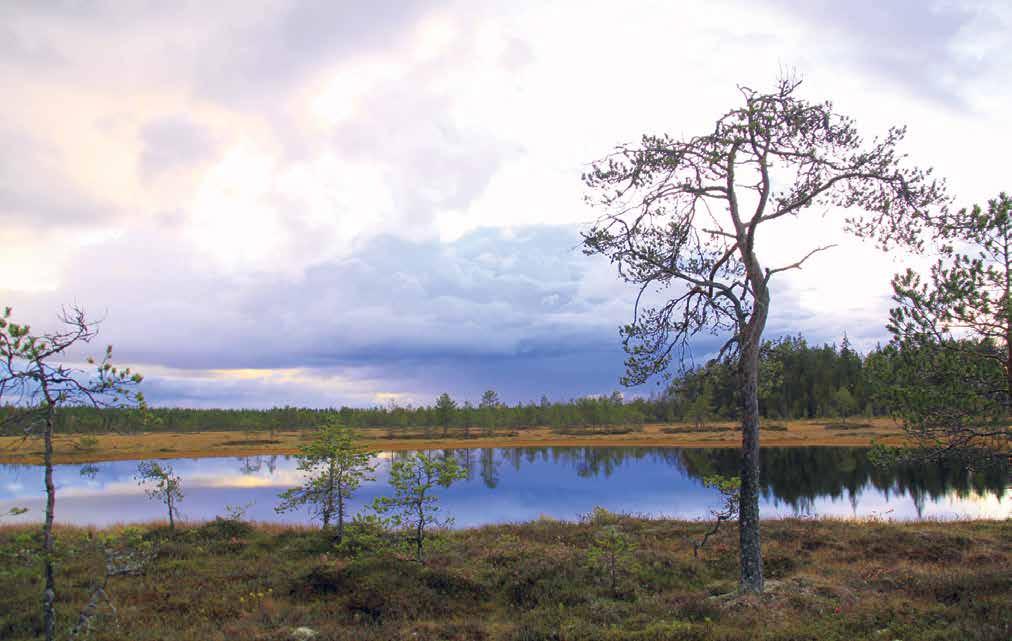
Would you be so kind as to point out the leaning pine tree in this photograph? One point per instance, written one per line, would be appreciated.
(682, 218)
(38, 381)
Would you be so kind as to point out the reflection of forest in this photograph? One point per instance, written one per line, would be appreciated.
(798, 475)
(792, 476)
(253, 464)
(795, 476)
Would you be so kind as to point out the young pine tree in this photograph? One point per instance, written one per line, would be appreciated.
(161, 484)
(335, 468)
(413, 506)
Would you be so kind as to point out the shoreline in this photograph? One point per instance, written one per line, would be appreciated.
(170, 445)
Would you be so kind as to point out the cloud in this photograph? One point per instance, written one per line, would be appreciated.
(171, 143)
(392, 305)
(520, 310)
(17, 49)
(35, 191)
(915, 44)
(410, 318)
(272, 48)
(344, 202)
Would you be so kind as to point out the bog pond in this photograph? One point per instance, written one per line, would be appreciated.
(521, 484)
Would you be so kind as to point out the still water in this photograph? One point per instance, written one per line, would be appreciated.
(519, 484)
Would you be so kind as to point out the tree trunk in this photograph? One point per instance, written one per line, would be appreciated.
(340, 514)
(328, 499)
(748, 520)
(420, 534)
(1007, 301)
(49, 596)
(419, 537)
(1008, 364)
(172, 522)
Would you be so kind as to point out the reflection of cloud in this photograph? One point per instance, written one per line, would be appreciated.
(280, 478)
(988, 506)
(109, 489)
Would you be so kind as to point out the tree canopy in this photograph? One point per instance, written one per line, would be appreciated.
(951, 380)
(681, 221)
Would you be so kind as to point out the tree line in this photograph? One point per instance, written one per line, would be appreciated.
(800, 381)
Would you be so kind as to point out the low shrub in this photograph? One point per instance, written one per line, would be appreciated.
(225, 529)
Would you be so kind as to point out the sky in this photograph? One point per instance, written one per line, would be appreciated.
(327, 203)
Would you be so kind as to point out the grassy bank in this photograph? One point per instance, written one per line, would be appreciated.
(542, 580)
(75, 448)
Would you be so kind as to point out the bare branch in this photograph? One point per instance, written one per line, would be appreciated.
(797, 264)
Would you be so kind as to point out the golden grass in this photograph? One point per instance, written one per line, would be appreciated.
(114, 447)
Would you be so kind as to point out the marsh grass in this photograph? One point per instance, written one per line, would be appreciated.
(847, 426)
(827, 580)
(210, 443)
(702, 429)
(250, 441)
(692, 429)
(597, 430)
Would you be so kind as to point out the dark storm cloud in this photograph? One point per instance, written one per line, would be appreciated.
(514, 311)
(492, 309)
(391, 300)
(906, 41)
(173, 143)
(522, 377)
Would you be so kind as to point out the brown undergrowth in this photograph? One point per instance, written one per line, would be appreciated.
(827, 580)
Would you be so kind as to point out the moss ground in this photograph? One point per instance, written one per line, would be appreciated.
(827, 580)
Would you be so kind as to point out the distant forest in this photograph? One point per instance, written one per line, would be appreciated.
(798, 381)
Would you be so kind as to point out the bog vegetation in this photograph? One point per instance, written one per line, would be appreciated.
(605, 577)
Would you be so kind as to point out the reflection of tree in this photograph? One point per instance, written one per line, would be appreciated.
(254, 464)
(798, 475)
(489, 467)
(791, 476)
(595, 461)
(15, 468)
(918, 498)
(249, 464)
(89, 471)
(465, 458)
(514, 455)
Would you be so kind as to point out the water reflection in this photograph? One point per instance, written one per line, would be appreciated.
(524, 483)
